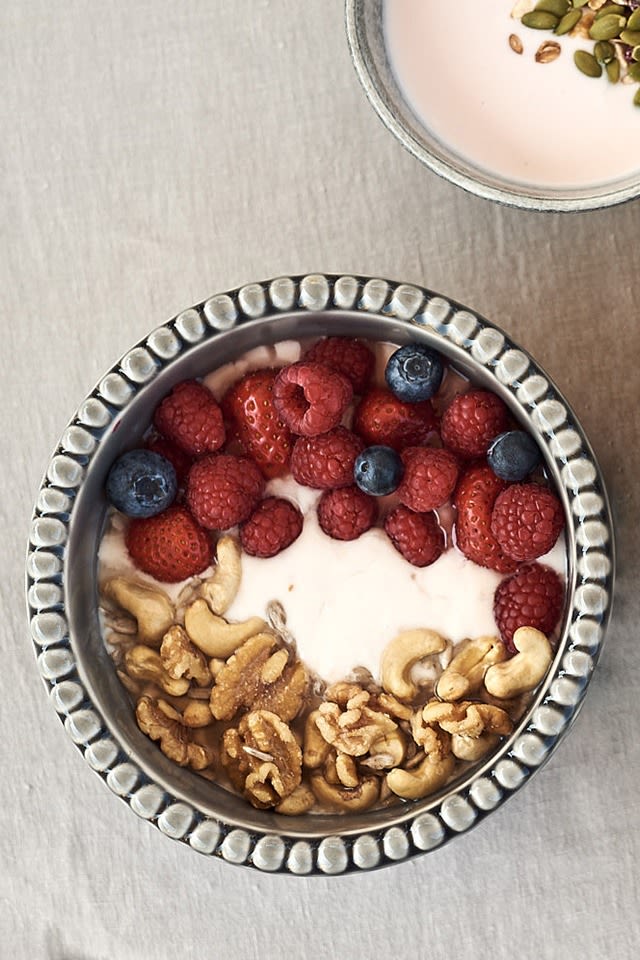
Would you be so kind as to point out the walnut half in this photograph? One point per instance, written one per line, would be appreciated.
(259, 677)
(161, 722)
(262, 758)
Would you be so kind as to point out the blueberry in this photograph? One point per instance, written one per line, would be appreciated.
(414, 372)
(141, 483)
(378, 470)
(513, 455)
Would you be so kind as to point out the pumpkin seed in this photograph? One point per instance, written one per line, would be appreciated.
(634, 72)
(587, 63)
(604, 51)
(568, 22)
(540, 20)
(611, 8)
(632, 37)
(636, 99)
(607, 28)
(633, 23)
(613, 70)
(557, 7)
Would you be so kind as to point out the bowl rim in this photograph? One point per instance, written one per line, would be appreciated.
(332, 845)
(464, 173)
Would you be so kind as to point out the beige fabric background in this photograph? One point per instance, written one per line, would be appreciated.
(155, 153)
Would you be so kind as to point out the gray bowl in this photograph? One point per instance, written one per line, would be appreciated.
(369, 54)
(70, 514)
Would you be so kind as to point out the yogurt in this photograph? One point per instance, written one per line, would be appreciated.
(345, 601)
(534, 123)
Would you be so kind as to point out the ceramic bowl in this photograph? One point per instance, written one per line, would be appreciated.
(364, 26)
(70, 514)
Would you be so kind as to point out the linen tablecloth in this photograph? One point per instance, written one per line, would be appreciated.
(156, 153)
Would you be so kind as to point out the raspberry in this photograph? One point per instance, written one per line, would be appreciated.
(352, 358)
(326, 461)
(170, 546)
(381, 419)
(346, 513)
(526, 521)
(416, 536)
(181, 461)
(191, 418)
(429, 479)
(311, 397)
(248, 404)
(474, 498)
(471, 421)
(223, 490)
(531, 597)
(273, 525)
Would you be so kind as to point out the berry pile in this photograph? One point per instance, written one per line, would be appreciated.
(430, 474)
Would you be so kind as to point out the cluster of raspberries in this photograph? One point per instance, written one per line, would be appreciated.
(312, 419)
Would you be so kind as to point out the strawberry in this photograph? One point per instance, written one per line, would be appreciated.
(326, 461)
(471, 421)
(273, 526)
(526, 521)
(384, 420)
(416, 536)
(191, 418)
(531, 597)
(473, 499)
(249, 406)
(223, 490)
(170, 546)
(346, 513)
(353, 358)
(180, 460)
(429, 478)
(310, 397)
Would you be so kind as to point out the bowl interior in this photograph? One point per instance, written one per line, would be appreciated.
(70, 517)
(364, 19)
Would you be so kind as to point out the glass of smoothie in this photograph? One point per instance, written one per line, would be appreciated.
(534, 104)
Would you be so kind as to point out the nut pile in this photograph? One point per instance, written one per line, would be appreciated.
(613, 28)
(233, 702)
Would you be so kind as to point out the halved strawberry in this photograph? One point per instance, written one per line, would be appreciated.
(248, 405)
(473, 499)
(381, 418)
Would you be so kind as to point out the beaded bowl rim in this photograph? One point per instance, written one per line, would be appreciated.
(323, 845)
(364, 36)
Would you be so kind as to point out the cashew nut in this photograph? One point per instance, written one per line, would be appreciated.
(465, 673)
(473, 748)
(152, 609)
(300, 801)
(346, 798)
(143, 663)
(197, 714)
(424, 779)
(402, 654)
(389, 751)
(213, 635)
(220, 589)
(316, 748)
(525, 670)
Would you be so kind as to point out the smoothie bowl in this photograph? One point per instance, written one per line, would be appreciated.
(534, 103)
(319, 573)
